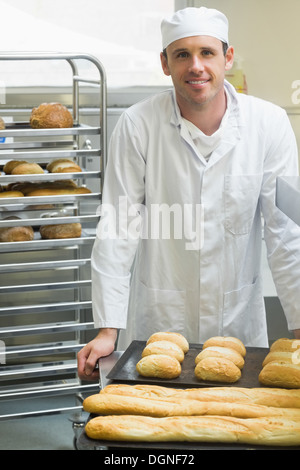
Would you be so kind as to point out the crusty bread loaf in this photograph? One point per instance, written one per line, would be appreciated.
(218, 351)
(28, 187)
(57, 191)
(164, 347)
(11, 194)
(277, 431)
(2, 124)
(9, 166)
(176, 338)
(280, 374)
(159, 365)
(16, 234)
(63, 165)
(51, 115)
(279, 356)
(27, 169)
(72, 230)
(285, 398)
(105, 404)
(226, 342)
(285, 345)
(217, 369)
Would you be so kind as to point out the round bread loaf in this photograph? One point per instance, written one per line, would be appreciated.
(164, 347)
(51, 115)
(2, 124)
(280, 356)
(176, 338)
(16, 234)
(285, 344)
(9, 166)
(217, 369)
(60, 231)
(226, 342)
(280, 374)
(159, 365)
(11, 194)
(63, 165)
(27, 169)
(219, 351)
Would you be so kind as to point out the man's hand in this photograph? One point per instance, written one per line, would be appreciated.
(297, 334)
(87, 357)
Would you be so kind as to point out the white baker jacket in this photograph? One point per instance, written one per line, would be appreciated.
(152, 283)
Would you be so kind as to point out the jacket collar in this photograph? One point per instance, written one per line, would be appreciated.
(236, 118)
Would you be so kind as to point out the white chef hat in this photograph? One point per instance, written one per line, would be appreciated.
(194, 22)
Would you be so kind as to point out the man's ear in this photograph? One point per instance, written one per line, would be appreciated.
(164, 64)
(229, 58)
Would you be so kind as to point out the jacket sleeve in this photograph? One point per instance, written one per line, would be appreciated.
(118, 230)
(282, 235)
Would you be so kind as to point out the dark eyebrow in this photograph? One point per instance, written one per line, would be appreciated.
(184, 49)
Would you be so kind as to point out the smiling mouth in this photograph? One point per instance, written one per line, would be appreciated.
(197, 82)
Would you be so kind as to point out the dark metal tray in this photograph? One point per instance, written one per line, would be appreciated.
(125, 369)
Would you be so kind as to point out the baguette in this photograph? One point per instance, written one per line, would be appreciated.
(164, 347)
(57, 191)
(217, 369)
(108, 404)
(227, 342)
(280, 374)
(276, 431)
(218, 351)
(159, 365)
(176, 338)
(285, 398)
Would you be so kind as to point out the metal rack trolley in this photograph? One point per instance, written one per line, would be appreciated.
(45, 300)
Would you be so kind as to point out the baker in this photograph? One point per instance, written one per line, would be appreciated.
(191, 173)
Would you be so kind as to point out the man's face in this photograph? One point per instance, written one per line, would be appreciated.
(197, 67)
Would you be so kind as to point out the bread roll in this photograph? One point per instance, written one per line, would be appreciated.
(217, 369)
(2, 124)
(11, 194)
(280, 356)
(216, 351)
(16, 234)
(51, 115)
(60, 231)
(63, 166)
(105, 404)
(164, 347)
(176, 338)
(226, 342)
(159, 365)
(27, 169)
(285, 345)
(285, 398)
(280, 374)
(277, 431)
(9, 166)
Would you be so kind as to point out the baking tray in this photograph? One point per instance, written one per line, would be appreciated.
(125, 369)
